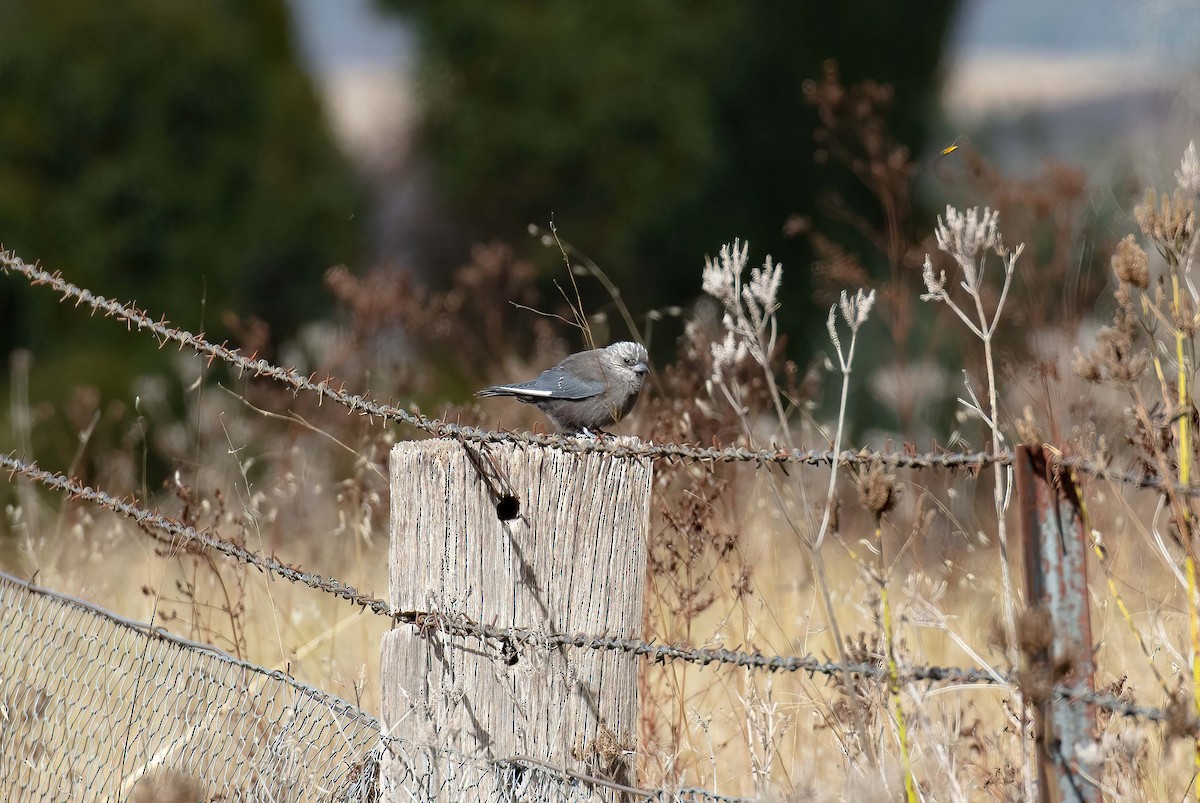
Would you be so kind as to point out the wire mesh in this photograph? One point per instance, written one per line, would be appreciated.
(97, 707)
(94, 708)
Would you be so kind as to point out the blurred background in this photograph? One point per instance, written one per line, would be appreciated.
(216, 163)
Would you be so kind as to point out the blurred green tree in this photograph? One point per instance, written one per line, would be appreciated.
(168, 152)
(656, 130)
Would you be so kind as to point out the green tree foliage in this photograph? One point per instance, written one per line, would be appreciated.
(655, 130)
(169, 152)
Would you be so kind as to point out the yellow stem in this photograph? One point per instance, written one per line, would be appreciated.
(1127, 615)
(1184, 417)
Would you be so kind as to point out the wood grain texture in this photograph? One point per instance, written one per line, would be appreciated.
(573, 560)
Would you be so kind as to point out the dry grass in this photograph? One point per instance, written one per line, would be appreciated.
(785, 562)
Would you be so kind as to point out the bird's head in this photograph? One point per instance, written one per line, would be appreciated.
(630, 361)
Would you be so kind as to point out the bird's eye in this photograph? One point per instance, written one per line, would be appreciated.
(629, 361)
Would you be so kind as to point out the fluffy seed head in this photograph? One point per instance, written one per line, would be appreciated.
(1131, 264)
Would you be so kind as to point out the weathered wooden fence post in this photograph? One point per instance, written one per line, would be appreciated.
(523, 537)
(1055, 543)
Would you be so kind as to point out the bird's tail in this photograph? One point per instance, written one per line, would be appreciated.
(496, 390)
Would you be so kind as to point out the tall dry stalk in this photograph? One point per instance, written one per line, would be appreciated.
(969, 238)
(878, 493)
(1163, 310)
(751, 332)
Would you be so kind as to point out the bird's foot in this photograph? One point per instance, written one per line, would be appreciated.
(592, 436)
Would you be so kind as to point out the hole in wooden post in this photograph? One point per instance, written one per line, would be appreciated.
(508, 652)
(508, 508)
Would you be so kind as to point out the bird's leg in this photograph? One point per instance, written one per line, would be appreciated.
(592, 436)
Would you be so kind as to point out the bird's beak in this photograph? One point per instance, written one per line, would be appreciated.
(641, 368)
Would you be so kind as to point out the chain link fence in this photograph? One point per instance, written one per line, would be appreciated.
(93, 707)
(97, 707)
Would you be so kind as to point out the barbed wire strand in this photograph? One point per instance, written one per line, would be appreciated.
(458, 625)
(334, 390)
(184, 535)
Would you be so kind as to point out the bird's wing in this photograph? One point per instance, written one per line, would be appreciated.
(586, 365)
(552, 384)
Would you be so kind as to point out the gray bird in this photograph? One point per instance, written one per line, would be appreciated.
(586, 391)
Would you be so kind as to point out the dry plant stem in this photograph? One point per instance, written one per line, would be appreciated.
(985, 331)
(1180, 506)
(567, 250)
(938, 748)
(252, 516)
(845, 361)
(750, 319)
(1182, 355)
(22, 429)
(1194, 628)
(237, 632)
(910, 790)
(867, 743)
(767, 348)
(1175, 501)
(1183, 510)
(752, 329)
(293, 418)
(1173, 232)
(831, 614)
(712, 756)
(581, 321)
(965, 237)
(1127, 616)
(998, 500)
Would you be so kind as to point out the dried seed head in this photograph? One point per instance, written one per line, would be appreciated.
(1115, 357)
(1171, 221)
(965, 236)
(1183, 218)
(1131, 264)
(1087, 366)
(877, 490)
(1146, 213)
(1184, 316)
(1027, 427)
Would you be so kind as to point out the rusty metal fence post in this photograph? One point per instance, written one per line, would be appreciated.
(1057, 637)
